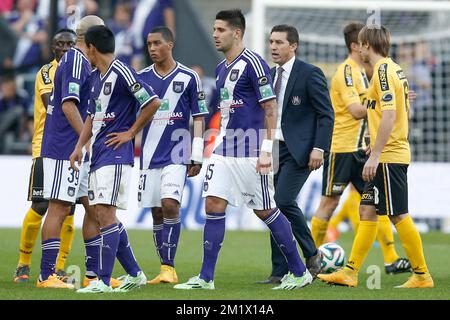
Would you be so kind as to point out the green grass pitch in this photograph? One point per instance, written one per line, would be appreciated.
(244, 259)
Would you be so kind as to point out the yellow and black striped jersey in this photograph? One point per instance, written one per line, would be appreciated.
(348, 85)
(43, 84)
(388, 90)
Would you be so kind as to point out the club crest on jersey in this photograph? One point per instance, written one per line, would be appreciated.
(135, 87)
(107, 88)
(234, 74)
(71, 191)
(178, 86)
(296, 100)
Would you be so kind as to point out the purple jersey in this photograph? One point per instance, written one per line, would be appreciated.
(181, 94)
(243, 85)
(115, 99)
(71, 83)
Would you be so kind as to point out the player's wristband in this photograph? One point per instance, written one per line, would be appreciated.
(267, 146)
(197, 150)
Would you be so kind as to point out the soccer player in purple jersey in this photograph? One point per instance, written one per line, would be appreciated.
(166, 144)
(116, 97)
(62, 185)
(240, 170)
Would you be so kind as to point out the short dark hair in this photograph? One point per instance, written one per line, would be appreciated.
(165, 32)
(351, 31)
(233, 17)
(292, 33)
(65, 30)
(379, 38)
(101, 37)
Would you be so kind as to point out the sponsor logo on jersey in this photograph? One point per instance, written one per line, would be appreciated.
(348, 75)
(338, 188)
(74, 88)
(50, 109)
(142, 95)
(98, 105)
(266, 91)
(224, 94)
(135, 87)
(100, 195)
(178, 86)
(91, 195)
(370, 104)
(45, 72)
(107, 88)
(387, 97)
(401, 74)
(382, 75)
(164, 105)
(367, 196)
(251, 202)
(38, 193)
(234, 75)
(202, 106)
(201, 95)
(262, 81)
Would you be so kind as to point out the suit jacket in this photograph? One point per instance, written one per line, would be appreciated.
(308, 117)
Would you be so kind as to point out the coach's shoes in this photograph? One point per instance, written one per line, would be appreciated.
(291, 282)
(400, 265)
(418, 281)
(270, 280)
(314, 264)
(54, 282)
(130, 283)
(166, 275)
(343, 277)
(96, 286)
(22, 274)
(115, 283)
(196, 283)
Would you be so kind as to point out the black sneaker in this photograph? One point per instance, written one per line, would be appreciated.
(400, 265)
(22, 274)
(314, 264)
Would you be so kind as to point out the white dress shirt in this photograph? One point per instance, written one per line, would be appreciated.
(287, 68)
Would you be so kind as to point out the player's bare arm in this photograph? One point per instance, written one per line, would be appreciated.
(116, 139)
(73, 115)
(197, 149)
(357, 110)
(45, 97)
(264, 163)
(85, 136)
(383, 133)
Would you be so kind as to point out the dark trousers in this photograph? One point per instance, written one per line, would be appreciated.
(289, 180)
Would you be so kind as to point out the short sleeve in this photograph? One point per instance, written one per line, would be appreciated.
(259, 75)
(72, 77)
(44, 82)
(197, 97)
(385, 87)
(138, 88)
(347, 86)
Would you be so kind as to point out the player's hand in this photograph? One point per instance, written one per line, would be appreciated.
(193, 169)
(76, 156)
(315, 159)
(117, 139)
(370, 168)
(264, 163)
(412, 95)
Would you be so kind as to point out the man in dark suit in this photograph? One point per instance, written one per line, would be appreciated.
(304, 130)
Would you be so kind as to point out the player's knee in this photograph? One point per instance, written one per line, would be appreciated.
(170, 208)
(214, 204)
(367, 213)
(40, 207)
(329, 204)
(157, 215)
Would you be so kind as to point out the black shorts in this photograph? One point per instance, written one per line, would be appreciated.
(36, 184)
(340, 169)
(388, 191)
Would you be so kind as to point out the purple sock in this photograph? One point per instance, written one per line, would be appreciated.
(92, 247)
(213, 236)
(125, 253)
(170, 236)
(108, 251)
(50, 249)
(282, 234)
(157, 239)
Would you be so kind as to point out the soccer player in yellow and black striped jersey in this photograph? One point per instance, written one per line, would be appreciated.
(385, 172)
(344, 164)
(63, 40)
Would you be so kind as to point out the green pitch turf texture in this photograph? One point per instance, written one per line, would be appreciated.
(244, 259)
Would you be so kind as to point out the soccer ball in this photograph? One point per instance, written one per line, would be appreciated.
(333, 257)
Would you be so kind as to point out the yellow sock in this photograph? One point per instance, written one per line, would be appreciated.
(385, 237)
(318, 230)
(67, 233)
(30, 230)
(412, 243)
(365, 236)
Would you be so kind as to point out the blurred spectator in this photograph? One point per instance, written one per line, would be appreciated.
(210, 89)
(14, 134)
(126, 50)
(6, 6)
(69, 11)
(150, 14)
(30, 30)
